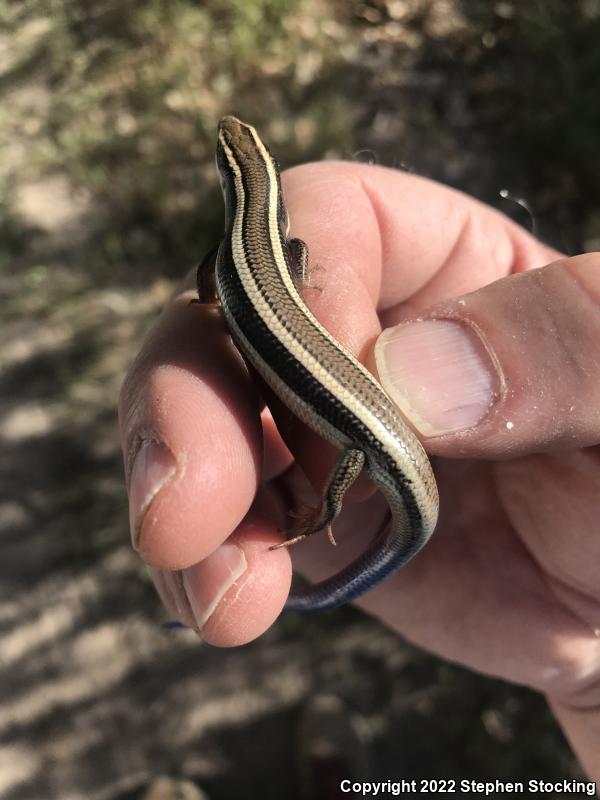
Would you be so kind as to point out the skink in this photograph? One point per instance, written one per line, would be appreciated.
(257, 275)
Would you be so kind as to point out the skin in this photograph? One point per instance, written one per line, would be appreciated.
(509, 583)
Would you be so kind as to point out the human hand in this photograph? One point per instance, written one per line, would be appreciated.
(504, 380)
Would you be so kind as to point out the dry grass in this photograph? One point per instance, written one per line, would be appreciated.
(107, 192)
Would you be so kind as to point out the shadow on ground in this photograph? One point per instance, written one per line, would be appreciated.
(107, 187)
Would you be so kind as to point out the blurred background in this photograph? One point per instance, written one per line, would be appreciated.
(108, 195)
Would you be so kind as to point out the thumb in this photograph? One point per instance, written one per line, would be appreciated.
(509, 369)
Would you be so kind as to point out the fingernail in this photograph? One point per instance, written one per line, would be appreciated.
(438, 373)
(170, 588)
(206, 583)
(154, 465)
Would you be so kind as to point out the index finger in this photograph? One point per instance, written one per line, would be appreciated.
(387, 244)
(408, 239)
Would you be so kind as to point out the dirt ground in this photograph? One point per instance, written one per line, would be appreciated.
(99, 701)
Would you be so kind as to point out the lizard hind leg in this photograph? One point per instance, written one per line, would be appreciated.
(312, 520)
(308, 520)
